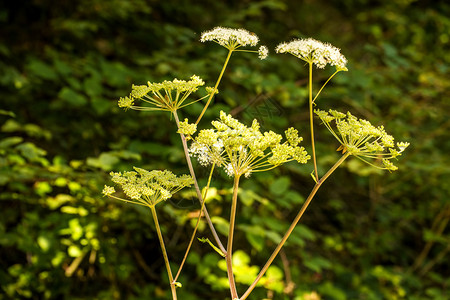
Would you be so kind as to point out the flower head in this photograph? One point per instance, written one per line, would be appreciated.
(316, 52)
(147, 187)
(166, 95)
(230, 38)
(360, 138)
(242, 150)
(186, 128)
(108, 190)
(126, 102)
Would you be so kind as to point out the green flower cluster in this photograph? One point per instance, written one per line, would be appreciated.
(242, 150)
(147, 188)
(360, 138)
(186, 128)
(166, 96)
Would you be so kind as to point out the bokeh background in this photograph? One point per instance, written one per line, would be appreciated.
(366, 235)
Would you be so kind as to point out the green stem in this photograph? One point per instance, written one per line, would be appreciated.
(215, 87)
(293, 224)
(163, 249)
(311, 122)
(229, 254)
(197, 189)
(196, 226)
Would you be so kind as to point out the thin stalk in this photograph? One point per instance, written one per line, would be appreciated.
(196, 226)
(318, 93)
(311, 122)
(438, 227)
(441, 255)
(229, 255)
(293, 224)
(163, 249)
(215, 87)
(197, 189)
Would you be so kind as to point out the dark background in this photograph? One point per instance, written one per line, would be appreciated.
(366, 235)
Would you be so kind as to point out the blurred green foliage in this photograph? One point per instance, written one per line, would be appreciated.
(366, 236)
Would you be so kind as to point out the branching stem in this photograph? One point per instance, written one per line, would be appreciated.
(293, 224)
(197, 189)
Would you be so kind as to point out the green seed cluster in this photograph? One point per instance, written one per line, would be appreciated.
(242, 150)
(166, 95)
(186, 128)
(147, 187)
(361, 139)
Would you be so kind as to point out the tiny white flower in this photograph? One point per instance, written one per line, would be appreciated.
(229, 170)
(263, 52)
(402, 146)
(218, 146)
(202, 154)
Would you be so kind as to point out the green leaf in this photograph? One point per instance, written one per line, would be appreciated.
(255, 235)
(7, 113)
(221, 224)
(101, 105)
(280, 185)
(74, 251)
(72, 97)
(93, 86)
(44, 243)
(317, 263)
(30, 151)
(10, 141)
(62, 67)
(105, 161)
(11, 126)
(41, 69)
(206, 240)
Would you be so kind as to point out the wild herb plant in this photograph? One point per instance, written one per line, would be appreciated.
(242, 150)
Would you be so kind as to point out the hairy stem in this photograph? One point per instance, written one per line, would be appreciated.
(293, 224)
(229, 255)
(311, 123)
(215, 87)
(197, 189)
(196, 225)
(163, 249)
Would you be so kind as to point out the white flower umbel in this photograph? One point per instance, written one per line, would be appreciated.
(230, 38)
(316, 52)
